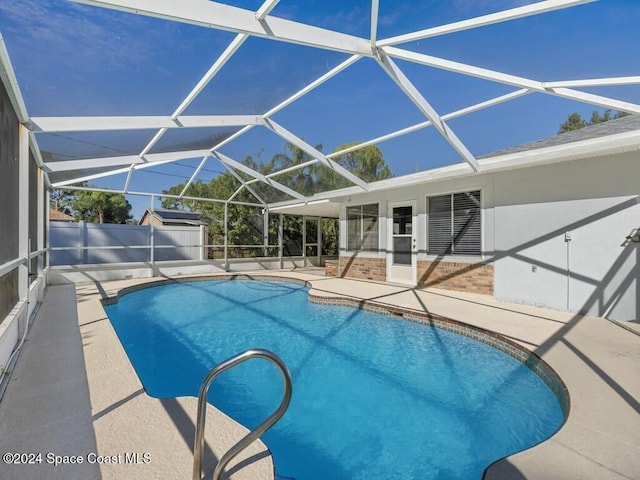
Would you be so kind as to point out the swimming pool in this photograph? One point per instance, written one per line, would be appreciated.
(374, 396)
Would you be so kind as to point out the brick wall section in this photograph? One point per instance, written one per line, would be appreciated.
(331, 268)
(463, 277)
(362, 267)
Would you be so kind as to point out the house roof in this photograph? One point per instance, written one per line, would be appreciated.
(55, 215)
(612, 127)
(175, 216)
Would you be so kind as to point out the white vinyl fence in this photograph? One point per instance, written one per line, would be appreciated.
(93, 243)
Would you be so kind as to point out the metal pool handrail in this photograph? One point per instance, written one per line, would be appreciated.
(198, 446)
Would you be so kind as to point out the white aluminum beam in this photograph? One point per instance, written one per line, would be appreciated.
(220, 62)
(288, 169)
(117, 171)
(227, 140)
(243, 185)
(8, 78)
(90, 124)
(195, 174)
(225, 17)
(463, 68)
(374, 23)
(592, 99)
(290, 137)
(238, 190)
(425, 107)
(594, 82)
(228, 52)
(152, 142)
(503, 16)
(410, 129)
(316, 83)
(152, 158)
(303, 91)
(508, 79)
(252, 173)
(128, 180)
(421, 125)
(159, 195)
(35, 148)
(266, 8)
(24, 245)
(224, 57)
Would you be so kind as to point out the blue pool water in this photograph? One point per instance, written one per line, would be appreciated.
(374, 397)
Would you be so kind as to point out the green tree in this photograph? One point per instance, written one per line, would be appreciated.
(302, 180)
(575, 121)
(59, 200)
(367, 162)
(245, 222)
(100, 207)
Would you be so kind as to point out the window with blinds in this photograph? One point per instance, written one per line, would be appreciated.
(454, 225)
(362, 227)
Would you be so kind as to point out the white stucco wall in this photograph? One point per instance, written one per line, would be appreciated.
(595, 201)
(526, 213)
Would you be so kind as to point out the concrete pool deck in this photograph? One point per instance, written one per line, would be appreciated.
(74, 392)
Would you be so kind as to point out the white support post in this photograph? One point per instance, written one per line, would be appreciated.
(203, 243)
(319, 240)
(265, 230)
(152, 249)
(281, 241)
(226, 235)
(47, 226)
(23, 213)
(84, 253)
(304, 240)
(152, 238)
(41, 220)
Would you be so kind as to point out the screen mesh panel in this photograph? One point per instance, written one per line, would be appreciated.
(9, 150)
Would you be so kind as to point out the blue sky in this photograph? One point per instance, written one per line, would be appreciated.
(77, 60)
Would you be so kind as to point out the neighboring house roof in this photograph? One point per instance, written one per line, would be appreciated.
(56, 216)
(174, 217)
(612, 127)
